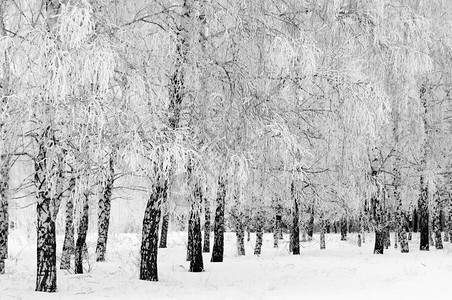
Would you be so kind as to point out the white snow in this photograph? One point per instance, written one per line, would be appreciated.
(342, 271)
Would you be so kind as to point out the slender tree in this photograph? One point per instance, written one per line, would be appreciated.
(423, 197)
(104, 207)
(164, 229)
(219, 226)
(437, 221)
(206, 246)
(196, 261)
(46, 235)
(295, 224)
(69, 242)
(82, 231)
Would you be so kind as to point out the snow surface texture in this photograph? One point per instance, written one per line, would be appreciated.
(342, 271)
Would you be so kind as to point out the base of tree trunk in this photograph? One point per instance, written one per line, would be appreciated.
(403, 242)
(206, 245)
(379, 241)
(387, 238)
(196, 261)
(438, 240)
(396, 242)
(149, 239)
(240, 242)
(2, 266)
(322, 240)
(296, 242)
(46, 277)
(259, 238)
(343, 229)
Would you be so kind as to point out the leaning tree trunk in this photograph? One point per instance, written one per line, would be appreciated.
(164, 230)
(149, 239)
(196, 262)
(310, 229)
(4, 216)
(103, 221)
(81, 236)
(218, 244)
(295, 225)
(69, 242)
(206, 246)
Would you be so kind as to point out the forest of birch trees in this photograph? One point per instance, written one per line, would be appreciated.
(294, 116)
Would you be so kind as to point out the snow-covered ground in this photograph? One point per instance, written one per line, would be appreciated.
(342, 271)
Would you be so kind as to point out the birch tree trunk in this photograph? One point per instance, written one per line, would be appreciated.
(259, 233)
(310, 229)
(448, 217)
(69, 242)
(239, 227)
(149, 239)
(46, 274)
(423, 198)
(164, 230)
(196, 261)
(378, 217)
(81, 236)
(44, 165)
(218, 245)
(176, 93)
(240, 235)
(4, 214)
(322, 232)
(104, 207)
(206, 247)
(397, 181)
(437, 221)
(295, 225)
(343, 224)
(277, 233)
(5, 158)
